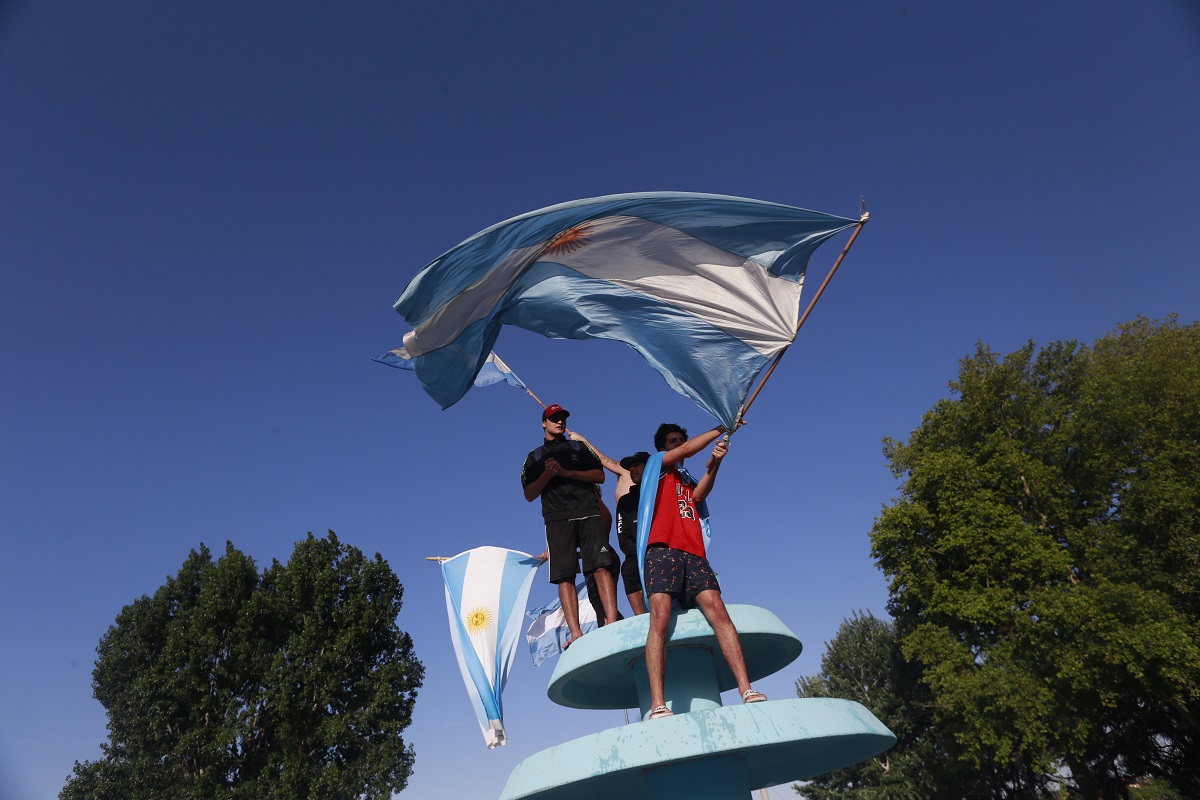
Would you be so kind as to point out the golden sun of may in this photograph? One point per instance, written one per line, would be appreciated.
(478, 620)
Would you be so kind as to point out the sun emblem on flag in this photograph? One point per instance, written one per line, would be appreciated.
(478, 620)
(570, 240)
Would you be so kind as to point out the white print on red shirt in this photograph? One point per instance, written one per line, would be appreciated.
(686, 509)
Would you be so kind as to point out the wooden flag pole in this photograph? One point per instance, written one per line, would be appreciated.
(528, 391)
(746, 406)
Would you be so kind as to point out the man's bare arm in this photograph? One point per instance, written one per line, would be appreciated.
(534, 489)
(705, 484)
(612, 466)
(692, 446)
(586, 475)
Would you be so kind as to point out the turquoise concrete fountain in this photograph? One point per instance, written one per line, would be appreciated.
(706, 751)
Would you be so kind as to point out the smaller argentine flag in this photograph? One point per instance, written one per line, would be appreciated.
(493, 370)
(549, 630)
(486, 592)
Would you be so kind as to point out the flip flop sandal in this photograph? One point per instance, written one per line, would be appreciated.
(752, 696)
(658, 712)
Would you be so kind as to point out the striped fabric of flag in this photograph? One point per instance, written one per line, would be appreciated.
(706, 288)
(548, 631)
(486, 592)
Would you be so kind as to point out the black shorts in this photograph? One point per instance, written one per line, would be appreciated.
(678, 573)
(570, 541)
(630, 575)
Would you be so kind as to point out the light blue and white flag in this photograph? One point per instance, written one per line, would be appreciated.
(706, 288)
(486, 592)
(548, 631)
(493, 370)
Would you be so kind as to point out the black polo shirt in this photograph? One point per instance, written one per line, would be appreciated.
(564, 498)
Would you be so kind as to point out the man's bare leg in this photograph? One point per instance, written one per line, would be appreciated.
(595, 599)
(637, 601)
(713, 608)
(570, 607)
(656, 646)
(608, 593)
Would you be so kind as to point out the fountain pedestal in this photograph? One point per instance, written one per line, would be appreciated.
(706, 751)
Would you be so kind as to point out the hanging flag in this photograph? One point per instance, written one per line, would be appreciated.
(486, 592)
(706, 288)
(548, 631)
(493, 370)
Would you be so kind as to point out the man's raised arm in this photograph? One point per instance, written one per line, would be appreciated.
(705, 484)
(692, 446)
(612, 466)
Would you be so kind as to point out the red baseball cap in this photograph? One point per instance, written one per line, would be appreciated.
(552, 409)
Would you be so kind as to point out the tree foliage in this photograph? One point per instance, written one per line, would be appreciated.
(227, 682)
(864, 662)
(1044, 558)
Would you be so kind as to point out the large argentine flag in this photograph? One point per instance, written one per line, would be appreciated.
(705, 287)
(486, 592)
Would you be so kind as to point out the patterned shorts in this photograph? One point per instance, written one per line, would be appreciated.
(677, 573)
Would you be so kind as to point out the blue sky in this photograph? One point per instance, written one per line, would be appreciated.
(207, 210)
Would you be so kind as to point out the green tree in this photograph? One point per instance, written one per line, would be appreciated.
(295, 682)
(863, 662)
(1044, 558)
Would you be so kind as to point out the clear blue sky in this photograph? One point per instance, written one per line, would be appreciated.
(208, 208)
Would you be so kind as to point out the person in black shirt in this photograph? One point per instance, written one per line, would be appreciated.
(565, 474)
(627, 510)
(626, 526)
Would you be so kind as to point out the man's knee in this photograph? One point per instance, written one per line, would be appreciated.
(660, 613)
(713, 608)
